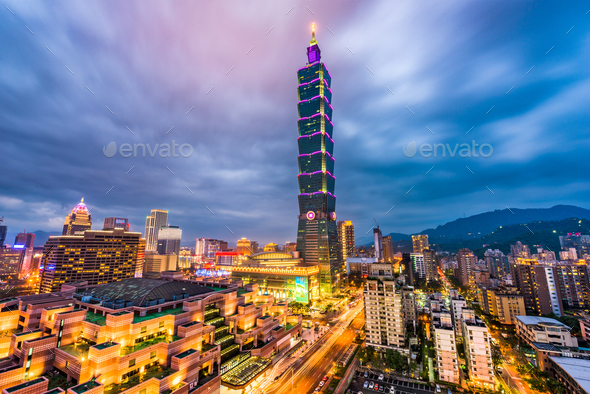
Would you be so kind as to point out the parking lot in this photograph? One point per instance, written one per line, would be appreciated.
(401, 387)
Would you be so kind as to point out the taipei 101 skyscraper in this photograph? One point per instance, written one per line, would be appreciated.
(317, 240)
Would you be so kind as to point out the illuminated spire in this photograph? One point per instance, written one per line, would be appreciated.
(313, 40)
(82, 200)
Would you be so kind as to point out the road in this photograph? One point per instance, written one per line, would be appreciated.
(305, 374)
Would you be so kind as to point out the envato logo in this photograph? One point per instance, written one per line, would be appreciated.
(436, 150)
(165, 150)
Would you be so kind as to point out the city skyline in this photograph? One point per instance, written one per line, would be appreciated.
(474, 70)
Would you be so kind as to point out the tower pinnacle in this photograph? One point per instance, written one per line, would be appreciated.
(313, 40)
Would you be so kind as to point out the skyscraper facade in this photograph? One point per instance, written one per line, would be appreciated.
(153, 223)
(388, 249)
(345, 240)
(378, 240)
(26, 242)
(169, 240)
(466, 261)
(96, 256)
(244, 246)
(419, 242)
(113, 223)
(78, 221)
(317, 239)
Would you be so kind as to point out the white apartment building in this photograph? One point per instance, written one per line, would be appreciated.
(457, 305)
(384, 315)
(418, 265)
(478, 351)
(544, 330)
(445, 346)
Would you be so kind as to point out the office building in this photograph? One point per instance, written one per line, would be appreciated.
(155, 264)
(113, 223)
(11, 261)
(419, 243)
(153, 223)
(409, 306)
(345, 240)
(143, 336)
(207, 247)
(244, 247)
(3, 232)
(97, 257)
(418, 266)
(545, 255)
(572, 372)
(478, 351)
(466, 261)
(169, 240)
(572, 280)
(544, 330)
(378, 240)
(384, 315)
(570, 254)
(78, 221)
(26, 242)
(388, 249)
(317, 236)
(445, 346)
(229, 258)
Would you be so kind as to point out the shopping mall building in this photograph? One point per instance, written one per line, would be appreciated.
(141, 336)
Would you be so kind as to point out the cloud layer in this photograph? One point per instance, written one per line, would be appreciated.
(97, 72)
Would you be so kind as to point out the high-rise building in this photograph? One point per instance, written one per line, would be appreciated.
(418, 265)
(419, 243)
(11, 261)
(445, 346)
(478, 350)
(504, 303)
(96, 256)
(430, 265)
(458, 303)
(169, 240)
(153, 223)
(345, 240)
(384, 314)
(244, 246)
(388, 254)
(207, 247)
(539, 286)
(155, 264)
(255, 246)
(3, 232)
(520, 251)
(378, 240)
(26, 242)
(497, 263)
(317, 238)
(78, 221)
(466, 261)
(113, 223)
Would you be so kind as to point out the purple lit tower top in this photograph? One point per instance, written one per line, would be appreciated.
(313, 50)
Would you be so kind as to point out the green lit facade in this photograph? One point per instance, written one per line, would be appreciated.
(317, 239)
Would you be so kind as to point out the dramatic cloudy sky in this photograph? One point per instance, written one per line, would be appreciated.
(223, 74)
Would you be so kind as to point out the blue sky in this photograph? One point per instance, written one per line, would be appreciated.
(423, 72)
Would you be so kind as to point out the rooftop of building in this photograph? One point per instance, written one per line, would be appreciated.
(576, 368)
(141, 290)
(535, 320)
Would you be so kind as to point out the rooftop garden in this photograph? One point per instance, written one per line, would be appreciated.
(27, 332)
(242, 291)
(290, 326)
(24, 385)
(205, 347)
(162, 338)
(8, 333)
(96, 318)
(174, 312)
(78, 349)
(105, 345)
(186, 353)
(82, 388)
(189, 324)
(157, 371)
(265, 317)
(248, 304)
(174, 388)
(216, 288)
(57, 380)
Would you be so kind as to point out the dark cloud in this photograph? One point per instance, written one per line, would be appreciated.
(151, 62)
